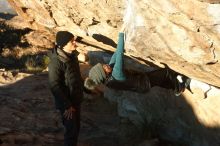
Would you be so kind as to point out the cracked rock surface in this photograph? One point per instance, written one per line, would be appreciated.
(185, 35)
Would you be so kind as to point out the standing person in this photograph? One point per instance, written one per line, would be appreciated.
(114, 76)
(66, 84)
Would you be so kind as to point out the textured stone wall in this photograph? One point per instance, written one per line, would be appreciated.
(185, 35)
(189, 119)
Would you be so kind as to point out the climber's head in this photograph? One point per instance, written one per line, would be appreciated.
(97, 75)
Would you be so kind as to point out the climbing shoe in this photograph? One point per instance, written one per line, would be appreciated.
(179, 82)
(182, 82)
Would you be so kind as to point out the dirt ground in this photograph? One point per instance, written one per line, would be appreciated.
(28, 116)
(27, 113)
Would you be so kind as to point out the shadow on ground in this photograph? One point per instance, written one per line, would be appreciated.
(28, 117)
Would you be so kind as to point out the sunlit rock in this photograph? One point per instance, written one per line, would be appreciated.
(182, 34)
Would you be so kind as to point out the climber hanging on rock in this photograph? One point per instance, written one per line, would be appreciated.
(114, 76)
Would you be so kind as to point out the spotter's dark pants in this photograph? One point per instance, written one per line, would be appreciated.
(72, 127)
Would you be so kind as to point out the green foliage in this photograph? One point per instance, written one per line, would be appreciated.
(36, 63)
(46, 60)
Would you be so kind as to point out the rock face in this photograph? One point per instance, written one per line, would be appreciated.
(185, 35)
(188, 119)
(171, 118)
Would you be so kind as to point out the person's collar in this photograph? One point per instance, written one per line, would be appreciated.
(64, 56)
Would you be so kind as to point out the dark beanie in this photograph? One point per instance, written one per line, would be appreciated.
(97, 74)
(63, 37)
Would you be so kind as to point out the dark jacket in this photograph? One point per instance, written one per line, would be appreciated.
(137, 82)
(65, 80)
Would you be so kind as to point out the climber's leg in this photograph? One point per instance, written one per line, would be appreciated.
(117, 60)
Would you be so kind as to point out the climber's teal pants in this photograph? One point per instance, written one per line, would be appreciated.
(117, 59)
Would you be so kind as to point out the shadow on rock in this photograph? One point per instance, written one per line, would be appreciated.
(7, 16)
(11, 37)
(104, 40)
(28, 116)
(160, 114)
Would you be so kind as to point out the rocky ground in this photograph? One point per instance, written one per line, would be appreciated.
(27, 113)
(28, 116)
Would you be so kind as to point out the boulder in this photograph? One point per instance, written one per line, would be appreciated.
(181, 34)
(189, 119)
